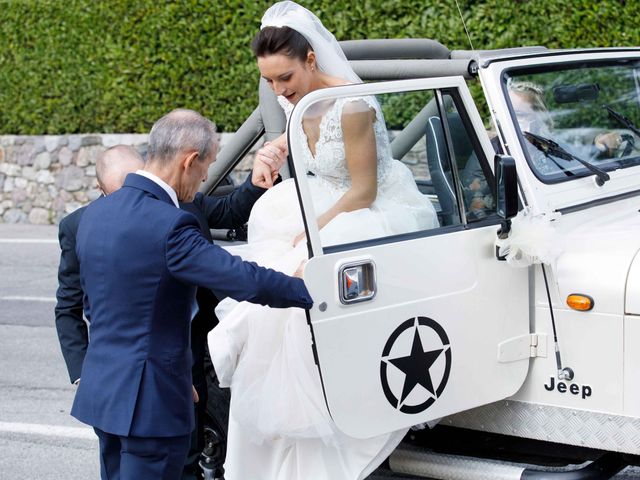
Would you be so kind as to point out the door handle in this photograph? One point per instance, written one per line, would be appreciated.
(357, 282)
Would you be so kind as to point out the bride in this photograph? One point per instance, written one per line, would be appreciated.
(279, 426)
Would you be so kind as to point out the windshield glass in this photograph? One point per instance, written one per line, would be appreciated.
(577, 119)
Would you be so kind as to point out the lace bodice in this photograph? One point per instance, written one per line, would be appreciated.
(329, 163)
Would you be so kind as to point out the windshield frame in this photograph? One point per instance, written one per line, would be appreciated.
(609, 165)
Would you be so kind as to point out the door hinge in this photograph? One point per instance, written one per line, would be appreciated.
(525, 346)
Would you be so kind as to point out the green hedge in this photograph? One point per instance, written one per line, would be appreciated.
(69, 66)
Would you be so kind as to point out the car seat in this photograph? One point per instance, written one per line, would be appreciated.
(440, 166)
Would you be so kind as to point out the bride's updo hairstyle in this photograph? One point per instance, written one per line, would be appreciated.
(280, 40)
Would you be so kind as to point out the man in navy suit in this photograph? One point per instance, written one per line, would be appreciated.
(229, 211)
(140, 260)
(111, 169)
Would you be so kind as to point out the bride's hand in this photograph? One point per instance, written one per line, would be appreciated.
(301, 236)
(299, 273)
(273, 154)
(269, 160)
(322, 221)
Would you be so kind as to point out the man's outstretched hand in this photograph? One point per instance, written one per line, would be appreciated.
(196, 397)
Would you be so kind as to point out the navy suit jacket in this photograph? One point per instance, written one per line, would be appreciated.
(71, 328)
(140, 260)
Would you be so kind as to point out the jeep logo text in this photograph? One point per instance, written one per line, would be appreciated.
(573, 388)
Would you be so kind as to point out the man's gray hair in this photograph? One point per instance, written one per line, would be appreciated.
(178, 131)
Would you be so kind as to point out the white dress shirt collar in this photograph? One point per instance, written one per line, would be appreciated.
(165, 186)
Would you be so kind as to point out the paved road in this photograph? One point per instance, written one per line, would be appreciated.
(38, 438)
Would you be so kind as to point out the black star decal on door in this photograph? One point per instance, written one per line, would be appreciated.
(416, 367)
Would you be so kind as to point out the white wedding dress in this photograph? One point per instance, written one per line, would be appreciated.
(279, 427)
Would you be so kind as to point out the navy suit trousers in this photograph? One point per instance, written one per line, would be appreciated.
(136, 458)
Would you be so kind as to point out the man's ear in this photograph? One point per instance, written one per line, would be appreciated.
(188, 160)
(102, 190)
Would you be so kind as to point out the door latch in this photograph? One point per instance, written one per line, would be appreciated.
(357, 282)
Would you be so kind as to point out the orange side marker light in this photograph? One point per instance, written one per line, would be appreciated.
(580, 302)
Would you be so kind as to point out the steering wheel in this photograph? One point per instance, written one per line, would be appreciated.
(629, 144)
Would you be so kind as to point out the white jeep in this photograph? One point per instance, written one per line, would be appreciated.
(536, 366)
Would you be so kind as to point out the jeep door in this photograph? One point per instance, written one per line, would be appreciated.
(418, 325)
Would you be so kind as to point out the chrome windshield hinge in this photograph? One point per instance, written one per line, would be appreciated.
(522, 347)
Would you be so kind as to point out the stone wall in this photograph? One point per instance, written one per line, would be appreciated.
(44, 178)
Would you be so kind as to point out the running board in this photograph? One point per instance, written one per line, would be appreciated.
(442, 466)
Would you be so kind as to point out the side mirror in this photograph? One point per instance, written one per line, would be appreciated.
(506, 186)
